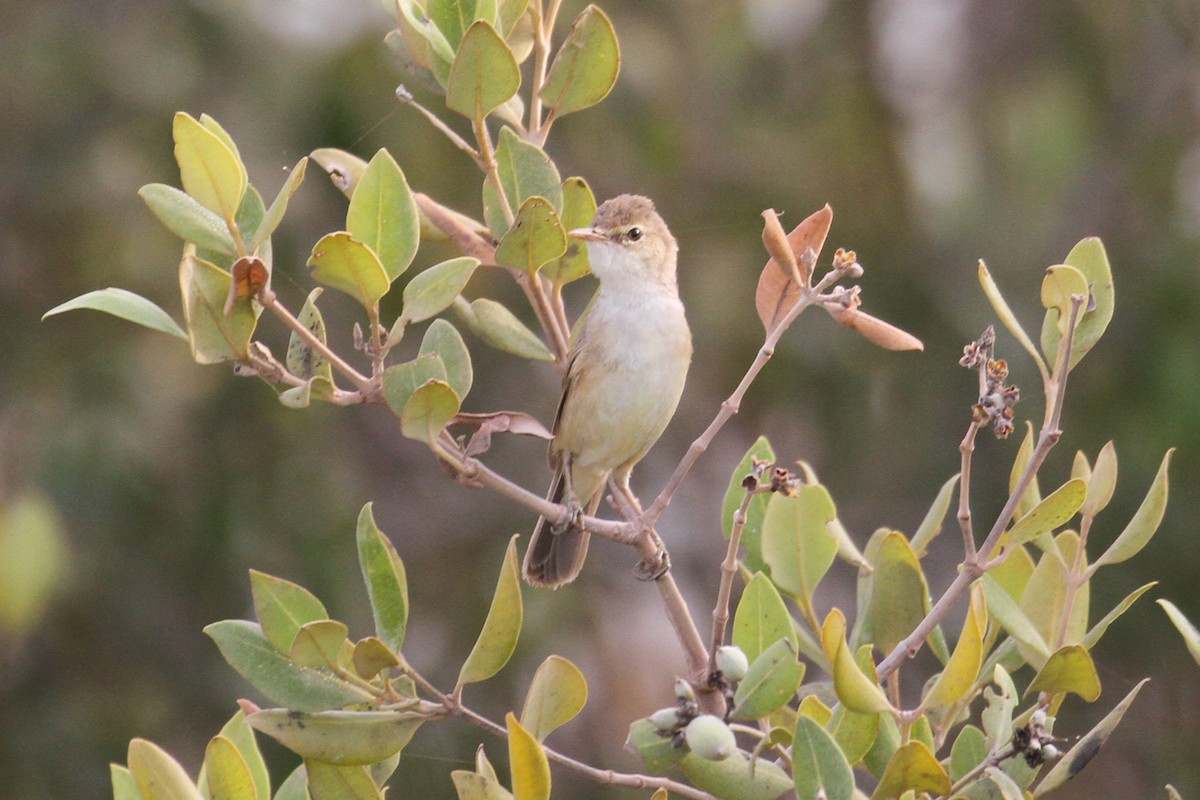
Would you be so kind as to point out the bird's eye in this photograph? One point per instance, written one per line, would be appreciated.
(633, 234)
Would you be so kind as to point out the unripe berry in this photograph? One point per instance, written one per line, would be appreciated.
(684, 691)
(1038, 718)
(710, 738)
(1050, 752)
(665, 719)
(732, 662)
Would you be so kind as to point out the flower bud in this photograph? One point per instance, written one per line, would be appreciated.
(1050, 752)
(665, 719)
(684, 691)
(1038, 718)
(710, 738)
(732, 662)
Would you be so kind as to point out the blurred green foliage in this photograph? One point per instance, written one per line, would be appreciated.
(941, 132)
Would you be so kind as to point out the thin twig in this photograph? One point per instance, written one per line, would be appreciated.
(729, 568)
(967, 448)
(405, 97)
(365, 385)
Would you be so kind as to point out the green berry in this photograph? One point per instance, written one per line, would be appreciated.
(710, 738)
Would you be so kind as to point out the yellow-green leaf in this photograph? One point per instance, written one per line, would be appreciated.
(755, 513)
(274, 214)
(484, 75)
(578, 211)
(1033, 494)
(1005, 610)
(1053, 511)
(856, 691)
(1069, 669)
(330, 782)
(1089, 258)
(302, 360)
(1102, 482)
(237, 731)
(557, 694)
(433, 290)
(586, 66)
(500, 328)
(737, 777)
(401, 381)
(915, 768)
(341, 261)
(442, 339)
(127, 306)
(770, 682)
(959, 675)
(654, 750)
(210, 170)
(372, 656)
(473, 786)
(1145, 521)
(525, 171)
(761, 618)
(214, 336)
(1191, 636)
(428, 411)
(535, 237)
(383, 215)
(819, 766)
(344, 169)
(385, 578)
(498, 639)
(899, 594)
(341, 738)
(1007, 317)
(282, 607)
(183, 215)
(319, 644)
(931, 525)
(527, 760)
(796, 541)
(157, 775)
(226, 771)
(1061, 283)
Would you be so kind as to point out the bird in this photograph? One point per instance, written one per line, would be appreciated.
(625, 376)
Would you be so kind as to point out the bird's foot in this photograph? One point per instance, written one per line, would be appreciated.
(655, 567)
(573, 520)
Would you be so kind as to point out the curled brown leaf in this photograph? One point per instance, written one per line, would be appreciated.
(498, 422)
(778, 292)
(882, 333)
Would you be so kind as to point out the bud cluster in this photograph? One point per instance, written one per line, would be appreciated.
(996, 400)
(1033, 742)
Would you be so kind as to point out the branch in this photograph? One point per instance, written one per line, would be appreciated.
(729, 568)
(365, 385)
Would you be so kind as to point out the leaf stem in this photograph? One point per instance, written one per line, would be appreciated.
(365, 385)
(729, 568)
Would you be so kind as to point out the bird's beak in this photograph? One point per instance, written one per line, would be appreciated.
(587, 234)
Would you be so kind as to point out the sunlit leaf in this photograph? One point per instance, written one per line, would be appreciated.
(341, 738)
(1069, 669)
(1053, 511)
(818, 764)
(157, 775)
(209, 168)
(383, 215)
(1145, 521)
(282, 607)
(485, 73)
(214, 335)
(1090, 259)
(525, 171)
(1033, 494)
(1102, 482)
(578, 211)
(1005, 610)
(301, 688)
(777, 292)
(123, 785)
(796, 541)
(473, 786)
(557, 694)
(856, 691)
(1061, 283)
(1073, 762)
(1000, 306)
(527, 760)
(586, 66)
(371, 657)
(535, 238)
(401, 381)
(443, 339)
(319, 644)
(428, 411)
(1045, 601)
(454, 17)
(913, 767)
(498, 638)
(344, 169)
(127, 306)
(341, 261)
(241, 735)
(959, 675)
(185, 217)
(770, 683)
(1191, 636)
(433, 290)
(330, 782)
(226, 772)
(761, 618)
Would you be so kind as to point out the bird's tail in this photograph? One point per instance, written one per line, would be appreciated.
(554, 558)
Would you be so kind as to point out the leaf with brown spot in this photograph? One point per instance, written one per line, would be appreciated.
(777, 289)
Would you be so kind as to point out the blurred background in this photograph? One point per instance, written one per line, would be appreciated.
(941, 131)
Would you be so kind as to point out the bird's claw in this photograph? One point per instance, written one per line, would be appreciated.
(573, 520)
(652, 570)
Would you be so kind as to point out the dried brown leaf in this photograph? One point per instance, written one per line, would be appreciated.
(777, 289)
(250, 275)
(882, 333)
(498, 422)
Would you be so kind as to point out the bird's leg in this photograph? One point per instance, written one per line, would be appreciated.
(649, 568)
(574, 508)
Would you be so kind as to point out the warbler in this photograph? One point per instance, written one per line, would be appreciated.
(625, 376)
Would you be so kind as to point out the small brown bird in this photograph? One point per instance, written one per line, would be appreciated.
(624, 379)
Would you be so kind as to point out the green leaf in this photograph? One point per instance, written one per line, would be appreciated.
(558, 693)
(123, 785)
(752, 531)
(1069, 669)
(820, 768)
(796, 541)
(498, 639)
(500, 328)
(214, 336)
(158, 776)
(1045, 597)
(341, 261)
(274, 214)
(242, 736)
(968, 751)
(209, 168)
(342, 738)
(761, 618)
(1191, 636)
(886, 743)
(535, 238)
(443, 340)
(1055, 510)
(226, 772)
(484, 75)
(127, 306)
(301, 688)
(383, 215)
(656, 751)
(1093, 636)
(402, 381)
(320, 643)
(1086, 748)
(1033, 494)
(183, 216)
(1090, 259)
(913, 767)
(294, 786)
(736, 777)
(525, 171)
(957, 679)
(282, 607)
(1102, 482)
(385, 578)
(931, 526)
(770, 683)
(329, 782)
(473, 786)
(526, 758)
(578, 211)
(433, 290)
(1009, 320)
(899, 597)
(1005, 610)
(586, 66)
(34, 562)
(345, 170)
(428, 411)
(1145, 521)
(302, 360)
(454, 17)
(426, 44)
(1058, 287)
